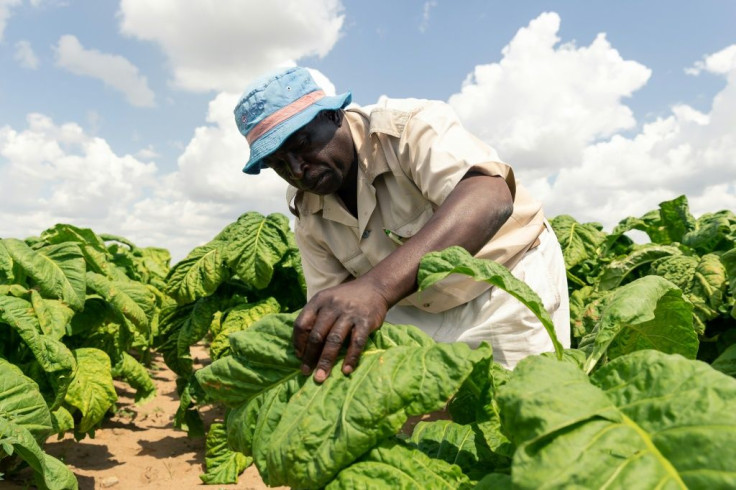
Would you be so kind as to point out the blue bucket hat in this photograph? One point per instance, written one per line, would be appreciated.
(275, 106)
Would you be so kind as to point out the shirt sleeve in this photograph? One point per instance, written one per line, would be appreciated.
(436, 151)
(321, 269)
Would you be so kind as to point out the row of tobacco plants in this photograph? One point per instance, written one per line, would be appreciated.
(77, 310)
(645, 398)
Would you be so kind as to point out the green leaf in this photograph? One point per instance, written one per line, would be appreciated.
(49, 472)
(187, 416)
(726, 362)
(703, 280)
(253, 245)
(729, 262)
(52, 356)
(223, 464)
(62, 420)
(397, 466)
(59, 270)
(435, 266)
(22, 403)
(93, 249)
(462, 445)
(579, 242)
(617, 271)
(240, 318)
(126, 297)
(53, 315)
(136, 375)
(194, 327)
(198, 275)
(676, 218)
(495, 481)
(91, 390)
(649, 313)
(645, 420)
(712, 233)
(6, 266)
(324, 427)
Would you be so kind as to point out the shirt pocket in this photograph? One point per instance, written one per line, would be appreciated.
(399, 227)
(355, 263)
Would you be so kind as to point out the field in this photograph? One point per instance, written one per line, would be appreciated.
(175, 376)
(138, 446)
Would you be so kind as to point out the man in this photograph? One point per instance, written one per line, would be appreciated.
(376, 188)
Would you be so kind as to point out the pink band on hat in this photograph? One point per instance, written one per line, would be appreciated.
(283, 114)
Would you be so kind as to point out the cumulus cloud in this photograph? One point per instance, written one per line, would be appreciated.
(115, 71)
(544, 102)
(208, 190)
(556, 112)
(688, 152)
(723, 62)
(25, 56)
(53, 173)
(220, 46)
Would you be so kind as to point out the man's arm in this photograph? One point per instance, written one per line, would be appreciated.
(472, 213)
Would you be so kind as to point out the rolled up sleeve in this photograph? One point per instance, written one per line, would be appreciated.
(436, 151)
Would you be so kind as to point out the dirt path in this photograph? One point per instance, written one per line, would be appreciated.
(138, 448)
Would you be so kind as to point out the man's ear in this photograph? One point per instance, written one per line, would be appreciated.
(335, 116)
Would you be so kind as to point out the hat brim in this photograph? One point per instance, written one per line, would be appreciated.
(269, 142)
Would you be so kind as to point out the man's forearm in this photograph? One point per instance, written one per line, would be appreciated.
(473, 212)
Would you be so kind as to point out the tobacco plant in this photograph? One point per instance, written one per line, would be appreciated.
(76, 310)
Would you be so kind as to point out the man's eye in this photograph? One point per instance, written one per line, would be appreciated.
(273, 162)
(302, 142)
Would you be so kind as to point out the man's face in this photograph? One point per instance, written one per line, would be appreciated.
(317, 157)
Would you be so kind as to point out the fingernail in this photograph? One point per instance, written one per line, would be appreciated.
(305, 369)
(320, 375)
(347, 370)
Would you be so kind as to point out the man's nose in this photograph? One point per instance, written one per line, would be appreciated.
(294, 163)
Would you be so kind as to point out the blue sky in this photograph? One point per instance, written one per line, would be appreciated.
(117, 115)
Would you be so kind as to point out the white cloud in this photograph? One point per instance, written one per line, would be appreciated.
(5, 11)
(543, 102)
(25, 56)
(688, 152)
(426, 9)
(53, 173)
(114, 70)
(555, 114)
(221, 46)
(147, 153)
(723, 62)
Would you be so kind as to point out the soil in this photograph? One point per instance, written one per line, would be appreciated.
(138, 447)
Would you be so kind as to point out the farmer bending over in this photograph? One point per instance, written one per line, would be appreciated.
(374, 189)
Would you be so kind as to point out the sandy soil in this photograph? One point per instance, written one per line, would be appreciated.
(138, 448)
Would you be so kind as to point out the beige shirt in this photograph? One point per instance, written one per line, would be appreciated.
(411, 155)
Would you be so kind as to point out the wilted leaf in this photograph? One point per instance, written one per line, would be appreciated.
(91, 390)
(223, 464)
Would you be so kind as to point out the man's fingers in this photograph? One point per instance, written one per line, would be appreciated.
(315, 340)
(358, 339)
(302, 326)
(330, 351)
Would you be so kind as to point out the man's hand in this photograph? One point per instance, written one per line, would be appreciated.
(351, 310)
